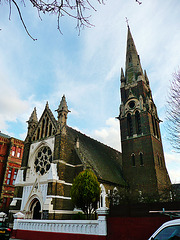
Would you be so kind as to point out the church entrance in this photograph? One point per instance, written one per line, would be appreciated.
(36, 209)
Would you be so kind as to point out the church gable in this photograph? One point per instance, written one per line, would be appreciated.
(46, 126)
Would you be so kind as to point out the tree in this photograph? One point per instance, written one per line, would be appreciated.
(173, 112)
(85, 192)
(72, 8)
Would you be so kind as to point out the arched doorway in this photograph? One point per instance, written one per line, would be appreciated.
(36, 209)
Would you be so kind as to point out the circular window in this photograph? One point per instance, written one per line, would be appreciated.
(43, 160)
(132, 104)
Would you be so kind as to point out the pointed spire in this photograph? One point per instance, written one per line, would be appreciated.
(33, 117)
(133, 65)
(62, 115)
(47, 104)
(63, 105)
(32, 123)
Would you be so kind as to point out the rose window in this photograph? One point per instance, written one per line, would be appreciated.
(43, 160)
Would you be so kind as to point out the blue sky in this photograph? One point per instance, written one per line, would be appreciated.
(86, 68)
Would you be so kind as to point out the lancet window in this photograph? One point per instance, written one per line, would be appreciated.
(129, 125)
(141, 159)
(45, 129)
(138, 122)
(133, 159)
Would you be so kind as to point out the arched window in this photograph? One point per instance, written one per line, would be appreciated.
(133, 159)
(138, 122)
(156, 125)
(42, 129)
(129, 125)
(46, 130)
(141, 159)
(38, 133)
(50, 129)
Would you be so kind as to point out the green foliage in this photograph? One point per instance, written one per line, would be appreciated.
(79, 216)
(85, 192)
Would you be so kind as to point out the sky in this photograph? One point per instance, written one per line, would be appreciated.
(86, 67)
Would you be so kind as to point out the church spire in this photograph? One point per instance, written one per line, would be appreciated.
(62, 115)
(32, 123)
(33, 117)
(133, 65)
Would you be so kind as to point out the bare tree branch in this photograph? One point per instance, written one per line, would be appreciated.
(173, 112)
(76, 9)
(22, 20)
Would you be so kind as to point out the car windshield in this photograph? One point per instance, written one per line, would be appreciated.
(169, 233)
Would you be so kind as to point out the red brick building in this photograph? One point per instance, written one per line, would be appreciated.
(11, 151)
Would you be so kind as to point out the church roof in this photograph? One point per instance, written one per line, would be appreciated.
(103, 160)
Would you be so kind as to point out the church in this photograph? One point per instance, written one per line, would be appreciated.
(54, 153)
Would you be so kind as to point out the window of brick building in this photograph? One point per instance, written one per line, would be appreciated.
(9, 176)
(14, 176)
(19, 152)
(13, 151)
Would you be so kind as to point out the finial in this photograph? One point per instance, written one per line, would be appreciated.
(127, 21)
(47, 104)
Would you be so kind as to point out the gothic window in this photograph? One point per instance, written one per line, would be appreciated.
(138, 122)
(50, 129)
(46, 130)
(38, 133)
(43, 160)
(141, 159)
(42, 129)
(153, 124)
(129, 125)
(157, 132)
(133, 159)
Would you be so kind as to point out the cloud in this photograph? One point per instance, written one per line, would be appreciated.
(109, 135)
(11, 105)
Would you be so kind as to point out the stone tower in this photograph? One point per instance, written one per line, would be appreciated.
(142, 151)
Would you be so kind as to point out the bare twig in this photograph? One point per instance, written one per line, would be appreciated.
(173, 112)
(22, 20)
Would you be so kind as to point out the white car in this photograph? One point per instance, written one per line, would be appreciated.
(168, 231)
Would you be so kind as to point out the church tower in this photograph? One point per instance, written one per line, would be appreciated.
(142, 151)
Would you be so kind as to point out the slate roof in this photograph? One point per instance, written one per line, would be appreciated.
(4, 135)
(104, 160)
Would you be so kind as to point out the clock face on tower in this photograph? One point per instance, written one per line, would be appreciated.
(43, 160)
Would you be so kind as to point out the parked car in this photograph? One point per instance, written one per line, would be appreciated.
(168, 231)
(5, 231)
